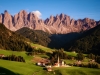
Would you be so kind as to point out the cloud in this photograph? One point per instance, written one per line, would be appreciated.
(37, 13)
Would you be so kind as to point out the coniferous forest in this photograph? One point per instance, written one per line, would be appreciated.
(85, 41)
(12, 41)
(89, 42)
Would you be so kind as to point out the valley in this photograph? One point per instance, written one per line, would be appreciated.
(25, 52)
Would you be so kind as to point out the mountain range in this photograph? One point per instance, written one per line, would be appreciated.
(82, 35)
(59, 24)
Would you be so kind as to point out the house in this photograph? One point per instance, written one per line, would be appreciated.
(2, 55)
(43, 62)
(49, 68)
(39, 63)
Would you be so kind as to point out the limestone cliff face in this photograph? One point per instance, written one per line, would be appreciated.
(20, 19)
(0, 18)
(55, 24)
(7, 19)
(63, 24)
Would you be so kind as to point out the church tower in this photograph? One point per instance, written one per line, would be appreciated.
(58, 62)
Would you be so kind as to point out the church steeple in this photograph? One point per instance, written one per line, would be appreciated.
(58, 62)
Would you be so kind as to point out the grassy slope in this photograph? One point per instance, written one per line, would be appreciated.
(19, 67)
(50, 50)
(27, 68)
(30, 68)
(78, 71)
(23, 54)
(42, 47)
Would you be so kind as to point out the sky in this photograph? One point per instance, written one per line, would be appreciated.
(76, 9)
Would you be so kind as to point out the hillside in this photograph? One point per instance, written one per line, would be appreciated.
(36, 36)
(46, 39)
(89, 42)
(86, 41)
(17, 68)
(30, 68)
(11, 41)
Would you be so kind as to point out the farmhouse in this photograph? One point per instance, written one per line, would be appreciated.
(2, 55)
(41, 63)
(49, 68)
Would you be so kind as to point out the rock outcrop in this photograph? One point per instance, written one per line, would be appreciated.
(59, 24)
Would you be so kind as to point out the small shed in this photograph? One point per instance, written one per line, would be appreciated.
(49, 68)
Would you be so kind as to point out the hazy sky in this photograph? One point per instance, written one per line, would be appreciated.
(74, 8)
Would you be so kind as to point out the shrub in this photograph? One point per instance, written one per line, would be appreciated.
(14, 58)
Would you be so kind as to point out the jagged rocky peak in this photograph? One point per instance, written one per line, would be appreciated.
(33, 16)
(20, 19)
(7, 20)
(46, 21)
(51, 17)
(72, 22)
(57, 16)
(23, 12)
(0, 18)
(90, 22)
(5, 11)
(41, 21)
(51, 20)
(62, 16)
(61, 23)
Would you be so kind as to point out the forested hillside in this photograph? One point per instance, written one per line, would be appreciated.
(85, 42)
(49, 40)
(12, 41)
(89, 42)
(36, 36)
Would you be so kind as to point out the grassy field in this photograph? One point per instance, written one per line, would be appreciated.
(71, 53)
(77, 71)
(29, 67)
(42, 47)
(19, 67)
(50, 50)
(23, 54)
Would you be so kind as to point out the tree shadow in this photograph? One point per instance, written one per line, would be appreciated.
(4, 71)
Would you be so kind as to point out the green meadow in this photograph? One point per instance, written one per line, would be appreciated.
(30, 68)
(42, 47)
(77, 71)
